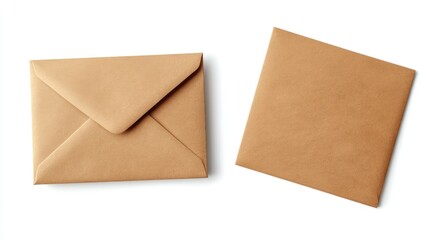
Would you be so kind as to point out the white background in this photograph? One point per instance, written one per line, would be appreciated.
(233, 203)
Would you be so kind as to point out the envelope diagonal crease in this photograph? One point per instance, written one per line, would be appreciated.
(177, 105)
(145, 153)
(116, 91)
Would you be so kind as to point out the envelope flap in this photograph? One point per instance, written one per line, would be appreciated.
(116, 91)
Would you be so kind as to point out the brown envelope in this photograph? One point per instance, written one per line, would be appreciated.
(325, 117)
(119, 118)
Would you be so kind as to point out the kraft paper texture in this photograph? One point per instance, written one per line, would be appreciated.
(118, 118)
(325, 117)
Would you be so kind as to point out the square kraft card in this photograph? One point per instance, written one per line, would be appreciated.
(118, 118)
(325, 117)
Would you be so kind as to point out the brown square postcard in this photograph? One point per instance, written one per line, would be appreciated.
(325, 117)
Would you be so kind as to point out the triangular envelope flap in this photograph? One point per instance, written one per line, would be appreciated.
(116, 91)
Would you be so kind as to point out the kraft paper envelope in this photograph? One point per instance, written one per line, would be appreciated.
(118, 118)
(325, 117)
